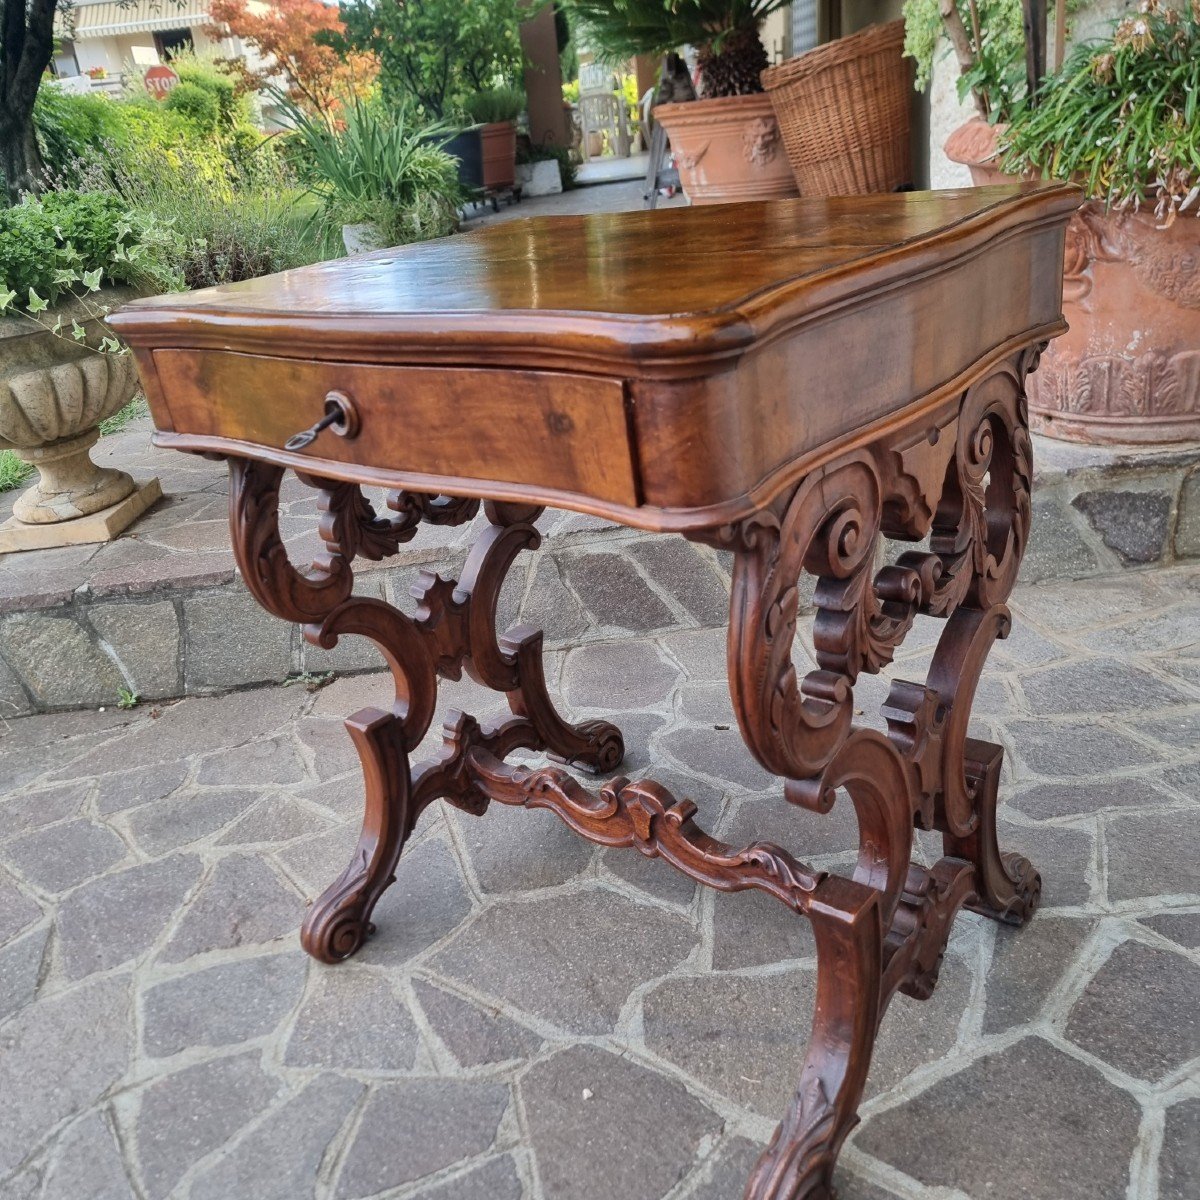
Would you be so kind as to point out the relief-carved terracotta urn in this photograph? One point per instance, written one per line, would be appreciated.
(728, 149)
(1129, 369)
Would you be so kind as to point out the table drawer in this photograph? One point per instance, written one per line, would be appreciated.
(546, 429)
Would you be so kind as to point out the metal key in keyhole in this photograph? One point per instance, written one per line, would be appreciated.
(338, 414)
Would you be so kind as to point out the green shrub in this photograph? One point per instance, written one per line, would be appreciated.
(233, 105)
(434, 53)
(496, 104)
(1122, 115)
(151, 132)
(87, 137)
(73, 128)
(381, 167)
(998, 76)
(74, 242)
(226, 230)
(195, 103)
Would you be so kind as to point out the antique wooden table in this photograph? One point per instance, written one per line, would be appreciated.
(791, 382)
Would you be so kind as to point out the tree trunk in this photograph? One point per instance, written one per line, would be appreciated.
(20, 160)
(27, 42)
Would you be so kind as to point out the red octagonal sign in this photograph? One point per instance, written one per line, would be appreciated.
(160, 80)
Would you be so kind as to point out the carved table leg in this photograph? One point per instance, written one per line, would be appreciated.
(961, 476)
(798, 1163)
(963, 480)
(454, 627)
(1008, 887)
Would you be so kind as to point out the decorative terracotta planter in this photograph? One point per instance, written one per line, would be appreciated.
(1129, 369)
(728, 149)
(974, 146)
(499, 155)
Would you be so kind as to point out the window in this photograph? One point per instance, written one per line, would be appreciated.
(170, 42)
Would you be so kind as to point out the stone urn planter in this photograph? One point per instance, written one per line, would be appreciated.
(728, 149)
(54, 392)
(362, 237)
(542, 178)
(1129, 369)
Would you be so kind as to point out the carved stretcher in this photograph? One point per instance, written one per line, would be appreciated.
(790, 382)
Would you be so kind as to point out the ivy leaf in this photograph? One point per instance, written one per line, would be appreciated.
(91, 279)
(36, 303)
(65, 275)
(6, 298)
(77, 331)
(110, 345)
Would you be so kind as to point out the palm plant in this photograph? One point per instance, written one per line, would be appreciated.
(382, 167)
(724, 32)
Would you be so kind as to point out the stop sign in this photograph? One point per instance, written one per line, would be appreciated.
(160, 80)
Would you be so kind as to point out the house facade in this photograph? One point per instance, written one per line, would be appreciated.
(105, 40)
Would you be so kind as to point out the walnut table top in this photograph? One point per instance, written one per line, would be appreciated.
(671, 370)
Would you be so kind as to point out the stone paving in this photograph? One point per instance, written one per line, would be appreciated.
(538, 1019)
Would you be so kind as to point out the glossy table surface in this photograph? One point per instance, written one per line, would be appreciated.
(637, 273)
(670, 369)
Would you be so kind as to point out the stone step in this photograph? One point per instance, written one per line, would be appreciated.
(161, 613)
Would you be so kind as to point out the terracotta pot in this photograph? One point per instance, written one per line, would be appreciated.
(1129, 369)
(728, 149)
(974, 146)
(499, 155)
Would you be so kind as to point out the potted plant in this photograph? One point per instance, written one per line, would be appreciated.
(495, 111)
(988, 40)
(434, 54)
(378, 173)
(1121, 117)
(65, 258)
(727, 142)
(545, 170)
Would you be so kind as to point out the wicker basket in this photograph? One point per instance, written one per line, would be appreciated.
(843, 113)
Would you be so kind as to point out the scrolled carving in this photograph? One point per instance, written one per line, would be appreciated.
(953, 676)
(454, 625)
(799, 1159)
(407, 649)
(1005, 886)
(644, 816)
(829, 526)
(434, 510)
(981, 527)
(916, 941)
(339, 920)
(262, 557)
(960, 477)
(883, 789)
(350, 527)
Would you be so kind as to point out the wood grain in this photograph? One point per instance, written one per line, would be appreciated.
(790, 383)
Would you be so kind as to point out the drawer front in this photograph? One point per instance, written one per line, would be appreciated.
(547, 430)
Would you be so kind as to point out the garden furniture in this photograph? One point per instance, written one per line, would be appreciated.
(789, 382)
